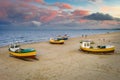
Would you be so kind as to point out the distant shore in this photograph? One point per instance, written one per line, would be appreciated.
(64, 62)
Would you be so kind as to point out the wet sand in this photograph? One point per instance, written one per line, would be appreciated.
(64, 62)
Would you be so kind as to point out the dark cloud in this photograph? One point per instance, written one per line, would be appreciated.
(99, 16)
(15, 15)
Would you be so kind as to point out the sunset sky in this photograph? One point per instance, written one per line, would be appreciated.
(70, 14)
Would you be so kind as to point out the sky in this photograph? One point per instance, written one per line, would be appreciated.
(69, 14)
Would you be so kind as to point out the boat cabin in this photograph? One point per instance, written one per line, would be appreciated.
(14, 47)
(86, 44)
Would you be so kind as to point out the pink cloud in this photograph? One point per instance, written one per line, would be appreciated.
(23, 10)
(3, 14)
(10, 8)
(67, 6)
(80, 12)
(5, 4)
(83, 20)
(49, 17)
(39, 1)
(63, 5)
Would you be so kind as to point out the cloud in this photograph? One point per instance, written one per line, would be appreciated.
(38, 1)
(63, 5)
(58, 14)
(67, 6)
(80, 12)
(3, 13)
(49, 16)
(25, 11)
(28, 24)
(36, 23)
(83, 20)
(17, 11)
(27, 0)
(96, 1)
(99, 17)
(4, 5)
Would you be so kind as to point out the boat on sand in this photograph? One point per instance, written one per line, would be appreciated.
(53, 41)
(86, 46)
(16, 51)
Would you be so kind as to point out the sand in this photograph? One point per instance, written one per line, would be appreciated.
(64, 62)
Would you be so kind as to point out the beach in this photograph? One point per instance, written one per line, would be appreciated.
(64, 62)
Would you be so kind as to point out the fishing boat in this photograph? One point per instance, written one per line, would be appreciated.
(16, 51)
(86, 46)
(65, 37)
(62, 38)
(53, 41)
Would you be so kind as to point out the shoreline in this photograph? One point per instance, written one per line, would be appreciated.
(64, 62)
(48, 40)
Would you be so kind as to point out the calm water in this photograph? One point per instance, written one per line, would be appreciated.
(28, 36)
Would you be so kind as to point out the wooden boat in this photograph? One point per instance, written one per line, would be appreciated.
(53, 41)
(16, 51)
(100, 49)
(65, 37)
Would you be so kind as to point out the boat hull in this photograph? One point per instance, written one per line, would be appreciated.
(98, 50)
(21, 55)
(56, 41)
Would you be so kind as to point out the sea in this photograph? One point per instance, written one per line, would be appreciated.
(30, 36)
